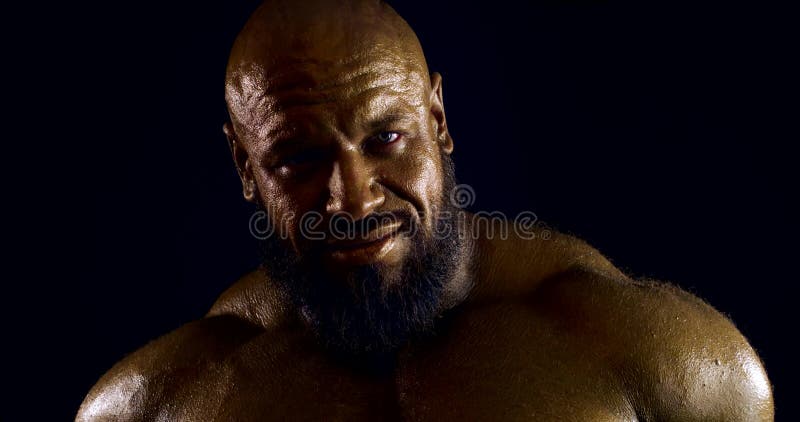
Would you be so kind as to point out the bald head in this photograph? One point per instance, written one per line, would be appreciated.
(311, 44)
(332, 109)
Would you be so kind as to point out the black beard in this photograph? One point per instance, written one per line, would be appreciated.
(367, 315)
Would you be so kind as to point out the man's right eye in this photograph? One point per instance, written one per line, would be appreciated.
(301, 159)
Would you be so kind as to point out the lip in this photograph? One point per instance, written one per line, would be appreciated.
(372, 247)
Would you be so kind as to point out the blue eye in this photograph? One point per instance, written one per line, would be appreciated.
(387, 137)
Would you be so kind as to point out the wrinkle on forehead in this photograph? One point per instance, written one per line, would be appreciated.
(295, 110)
(365, 85)
(317, 51)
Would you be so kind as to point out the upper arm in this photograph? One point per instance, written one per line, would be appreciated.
(676, 358)
(140, 385)
(123, 393)
(685, 361)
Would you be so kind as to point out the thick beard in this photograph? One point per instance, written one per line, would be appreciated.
(368, 315)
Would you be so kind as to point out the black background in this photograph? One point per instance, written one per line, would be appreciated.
(656, 133)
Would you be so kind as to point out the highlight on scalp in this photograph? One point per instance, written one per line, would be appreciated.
(282, 33)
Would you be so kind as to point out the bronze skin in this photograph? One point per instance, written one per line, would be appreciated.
(376, 307)
(334, 113)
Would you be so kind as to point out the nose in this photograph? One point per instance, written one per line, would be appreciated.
(352, 186)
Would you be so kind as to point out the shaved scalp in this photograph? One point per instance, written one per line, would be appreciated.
(284, 36)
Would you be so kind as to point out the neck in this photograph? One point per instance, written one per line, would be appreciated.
(458, 289)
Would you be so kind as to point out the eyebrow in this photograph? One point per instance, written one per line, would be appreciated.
(387, 120)
(288, 140)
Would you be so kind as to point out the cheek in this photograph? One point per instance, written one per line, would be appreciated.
(430, 184)
(286, 205)
(420, 175)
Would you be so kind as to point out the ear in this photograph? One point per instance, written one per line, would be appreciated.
(242, 162)
(437, 110)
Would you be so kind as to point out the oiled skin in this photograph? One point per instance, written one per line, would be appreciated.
(551, 332)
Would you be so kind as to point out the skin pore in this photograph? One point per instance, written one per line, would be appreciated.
(376, 308)
(357, 131)
(334, 113)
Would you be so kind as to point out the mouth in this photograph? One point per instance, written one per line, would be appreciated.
(371, 247)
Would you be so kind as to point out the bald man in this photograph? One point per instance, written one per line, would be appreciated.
(334, 115)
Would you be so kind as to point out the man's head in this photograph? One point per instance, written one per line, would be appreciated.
(333, 114)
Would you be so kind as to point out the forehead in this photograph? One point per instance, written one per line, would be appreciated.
(297, 91)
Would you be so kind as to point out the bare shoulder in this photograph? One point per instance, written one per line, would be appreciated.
(137, 387)
(139, 384)
(255, 300)
(513, 260)
(677, 357)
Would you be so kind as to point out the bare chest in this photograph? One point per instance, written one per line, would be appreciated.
(497, 364)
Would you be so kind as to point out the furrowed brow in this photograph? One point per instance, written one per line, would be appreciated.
(288, 144)
(388, 120)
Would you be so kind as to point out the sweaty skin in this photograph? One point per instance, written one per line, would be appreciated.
(333, 110)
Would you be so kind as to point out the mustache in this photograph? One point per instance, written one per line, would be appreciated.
(344, 226)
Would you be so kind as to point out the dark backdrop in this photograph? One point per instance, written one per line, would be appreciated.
(653, 132)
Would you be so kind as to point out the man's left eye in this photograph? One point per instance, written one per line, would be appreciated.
(387, 137)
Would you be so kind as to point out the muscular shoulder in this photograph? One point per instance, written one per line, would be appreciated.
(139, 385)
(676, 356)
(142, 382)
(513, 260)
(255, 300)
